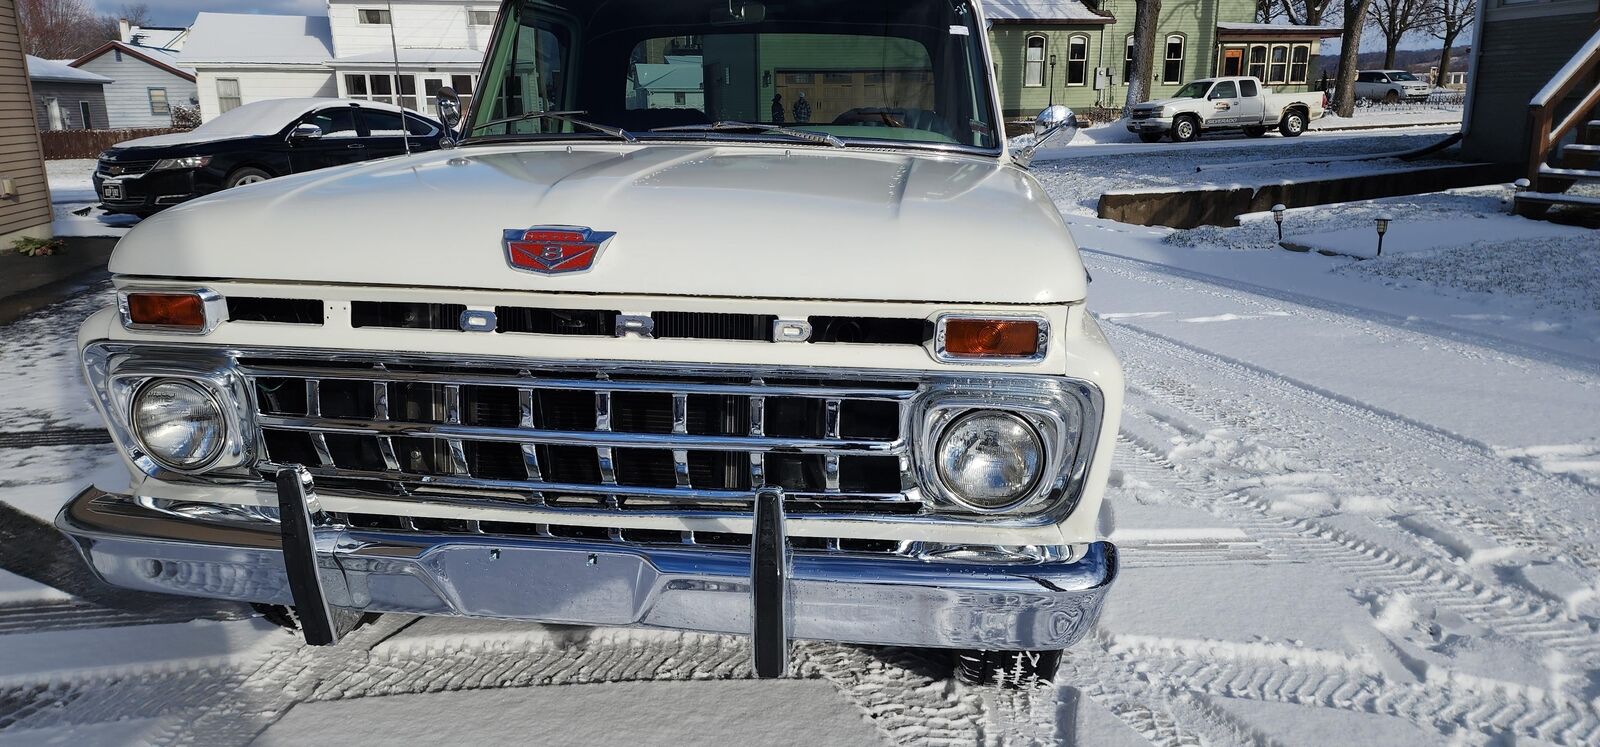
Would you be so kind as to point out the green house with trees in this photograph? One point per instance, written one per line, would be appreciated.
(1080, 52)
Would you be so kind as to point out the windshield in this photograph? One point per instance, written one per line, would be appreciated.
(1194, 90)
(1402, 76)
(909, 73)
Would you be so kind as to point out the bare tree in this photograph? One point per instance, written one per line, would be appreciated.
(1308, 12)
(1396, 18)
(136, 14)
(1449, 20)
(1146, 13)
(65, 29)
(1355, 17)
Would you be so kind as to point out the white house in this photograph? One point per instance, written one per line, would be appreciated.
(148, 82)
(350, 52)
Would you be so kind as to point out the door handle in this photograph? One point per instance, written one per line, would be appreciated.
(355, 146)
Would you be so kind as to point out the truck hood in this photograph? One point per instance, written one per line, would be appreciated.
(705, 220)
(1156, 104)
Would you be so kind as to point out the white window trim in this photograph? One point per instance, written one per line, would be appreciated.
(1305, 74)
(1273, 80)
(237, 96)
(1183, 54)
(1266, 61)
(361, 17)
(472, 17)
(1086, 75)
(1044, 56)
(166, 100)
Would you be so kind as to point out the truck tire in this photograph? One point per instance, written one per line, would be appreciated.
(1151, 137)
(1185, 129)
(1293, 124)
(1255, 131)
(1008, 669)
(247, 175)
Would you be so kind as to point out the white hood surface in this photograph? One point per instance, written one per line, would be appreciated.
(704, 220)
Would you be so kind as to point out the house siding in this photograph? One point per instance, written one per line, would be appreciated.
(20, 154)
(70, 95)
(1197, 22)
(259, 85)
(416, 25)
(1517, 56)
(128, 99)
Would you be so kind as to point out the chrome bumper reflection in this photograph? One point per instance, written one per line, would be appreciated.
(853, 599)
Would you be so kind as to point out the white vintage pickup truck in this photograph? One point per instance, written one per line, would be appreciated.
(653, 345)
(1241, 103)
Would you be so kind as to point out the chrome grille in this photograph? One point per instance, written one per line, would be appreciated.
(124, 168)
(589, 439)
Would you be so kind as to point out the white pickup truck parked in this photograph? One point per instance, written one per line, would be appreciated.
(622, 358)
(1225, 103)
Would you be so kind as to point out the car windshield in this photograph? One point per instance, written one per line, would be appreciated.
(1402, 76)
(898, 72)
(1194, 90)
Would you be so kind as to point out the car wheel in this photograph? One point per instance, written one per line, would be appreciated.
(1293, 124)
(247, 175)
(1255, 131)
(1392, 97)
(1151, 137)
(1185, 130)
(1009, 669)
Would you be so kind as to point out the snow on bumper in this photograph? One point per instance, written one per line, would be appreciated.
(887, 600)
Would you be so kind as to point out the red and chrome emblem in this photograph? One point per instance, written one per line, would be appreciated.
(554, 250)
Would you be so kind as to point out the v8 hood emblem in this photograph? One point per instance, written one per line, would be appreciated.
(554, 250)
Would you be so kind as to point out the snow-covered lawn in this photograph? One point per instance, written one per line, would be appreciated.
(1356, 502)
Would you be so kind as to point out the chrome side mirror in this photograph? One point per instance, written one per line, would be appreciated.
(306, 131)
(449, 103)
(1050, 123)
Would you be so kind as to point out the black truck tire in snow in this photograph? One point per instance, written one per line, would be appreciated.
(1293, 124)
(1010, 669)
(1151, 137)
(1255, 131)
(1185, 129)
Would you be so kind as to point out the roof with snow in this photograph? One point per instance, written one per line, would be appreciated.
(61, 71)
(1042, 11)
(415, 56)
(243, 38)
(1275, 29)
(157, 37)
(162, 58)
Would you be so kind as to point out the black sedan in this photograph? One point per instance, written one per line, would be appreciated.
(254, 143)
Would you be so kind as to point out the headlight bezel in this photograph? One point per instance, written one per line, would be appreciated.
(116, 377)
(1063, 413)
(183, 163)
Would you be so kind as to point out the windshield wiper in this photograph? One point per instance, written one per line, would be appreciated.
(569, 118)
(727, 126)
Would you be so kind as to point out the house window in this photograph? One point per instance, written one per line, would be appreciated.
(158, 102)
(373, 16)
(1127, 60)
(463, 85)
(117, 54)
(1172, 69)
(376, 87)
(1033, 63)
(1258, 62)
(1077, 60)
(228, 97)
(87, 113)
(1278, 70)
(1299, 63)
(482, 17)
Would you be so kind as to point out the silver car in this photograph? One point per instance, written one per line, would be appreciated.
(1391, 86)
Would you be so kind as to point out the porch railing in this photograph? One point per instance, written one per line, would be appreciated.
(1544, 132)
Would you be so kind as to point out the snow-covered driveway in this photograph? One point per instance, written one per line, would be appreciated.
(1346, 514)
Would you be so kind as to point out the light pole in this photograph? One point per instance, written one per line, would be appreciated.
(1277, 217)
(1052, 80)
(1382, 222)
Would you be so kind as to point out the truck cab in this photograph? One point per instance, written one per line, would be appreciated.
(1234, 102)
(721, 316)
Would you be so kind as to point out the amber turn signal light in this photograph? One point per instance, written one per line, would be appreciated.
(175, 311)
(992, 338)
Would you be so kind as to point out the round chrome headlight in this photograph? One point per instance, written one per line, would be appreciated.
(179, 424)
(989, 460)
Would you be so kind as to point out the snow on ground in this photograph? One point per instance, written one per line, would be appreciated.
(72, 192)
(1356, 501)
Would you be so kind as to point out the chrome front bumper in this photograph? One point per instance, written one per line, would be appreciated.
(888, 600)
(1153, 124)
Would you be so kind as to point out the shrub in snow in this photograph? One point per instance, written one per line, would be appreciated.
(185, 117)
(33, 247)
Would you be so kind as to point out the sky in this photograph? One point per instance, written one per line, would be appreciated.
(182, 12)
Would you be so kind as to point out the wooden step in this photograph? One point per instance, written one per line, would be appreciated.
(1580, 156)
(1589, 132)
(1577, 175)
(1538, 205)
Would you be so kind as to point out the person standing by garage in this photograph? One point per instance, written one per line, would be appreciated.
(802, 109)
(777, 108)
